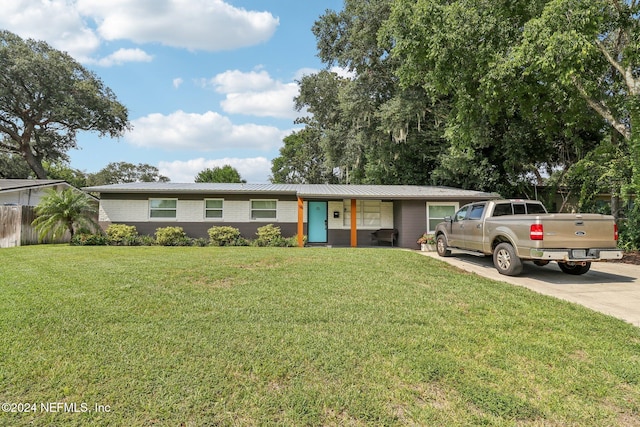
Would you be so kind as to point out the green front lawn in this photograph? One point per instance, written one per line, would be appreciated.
(247, 336)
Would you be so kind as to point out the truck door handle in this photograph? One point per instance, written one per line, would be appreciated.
(479, 226)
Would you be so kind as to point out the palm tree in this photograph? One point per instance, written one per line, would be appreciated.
(59, 212)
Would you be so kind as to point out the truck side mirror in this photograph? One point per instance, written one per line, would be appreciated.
(448, 219)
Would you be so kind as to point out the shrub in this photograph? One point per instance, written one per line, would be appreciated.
(224, 236)
(629, 239)
(200, 242)
(145, 240)
(268, 235)
(172, 236)
(292, 241)
(122, 234)
(88, 239)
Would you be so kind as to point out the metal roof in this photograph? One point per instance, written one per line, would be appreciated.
(20, 184)
(303, 190)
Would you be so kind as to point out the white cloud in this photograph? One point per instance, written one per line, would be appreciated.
(121, 56)
(203, 132)
(57, 22)
(177, 82)
(237, 81)
(272, 103)
(255, 93)
(343, 72)
(80, 26)
(254, 170)
(210, 25)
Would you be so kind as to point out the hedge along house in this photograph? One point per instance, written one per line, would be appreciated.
(337, 215)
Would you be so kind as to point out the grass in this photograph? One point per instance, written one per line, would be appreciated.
(273, 336)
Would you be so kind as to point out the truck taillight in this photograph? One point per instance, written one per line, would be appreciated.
(536, 232)
(615, 232)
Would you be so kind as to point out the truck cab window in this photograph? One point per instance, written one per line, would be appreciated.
(476, 212)
(535, 208)
(519, 209)
(461, 214)
(502, 209)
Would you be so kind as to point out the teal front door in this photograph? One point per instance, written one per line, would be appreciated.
(317, 222)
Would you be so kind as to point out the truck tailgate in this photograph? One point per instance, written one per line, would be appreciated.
(577, 231)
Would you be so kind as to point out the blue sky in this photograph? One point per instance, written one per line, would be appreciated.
(206, 82)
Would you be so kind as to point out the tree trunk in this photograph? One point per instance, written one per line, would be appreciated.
(34, 162)
(70, 227)
(634, 141)
(615, 204)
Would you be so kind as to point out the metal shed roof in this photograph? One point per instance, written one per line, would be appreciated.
(20, 184)
(309, 191)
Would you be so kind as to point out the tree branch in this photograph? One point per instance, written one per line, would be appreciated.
(610, 58)
(601, 108)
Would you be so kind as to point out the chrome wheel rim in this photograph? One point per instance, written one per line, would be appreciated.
(504, 259)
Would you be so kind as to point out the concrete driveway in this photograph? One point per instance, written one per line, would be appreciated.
(610, 288)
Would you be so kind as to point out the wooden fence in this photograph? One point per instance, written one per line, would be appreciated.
(16, 228)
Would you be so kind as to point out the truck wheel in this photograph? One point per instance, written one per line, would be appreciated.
(441, 246)
(506, 261)
(573, 268)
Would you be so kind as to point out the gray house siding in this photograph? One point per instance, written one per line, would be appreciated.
(410, 217)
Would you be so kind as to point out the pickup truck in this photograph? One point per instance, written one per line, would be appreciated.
(513, 231)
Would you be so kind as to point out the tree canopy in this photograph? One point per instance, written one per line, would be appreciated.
(480, 94)
(123, 172)
(46, 97)
(224, 174)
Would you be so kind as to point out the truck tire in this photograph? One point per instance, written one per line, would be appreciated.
(441, 246)
(574, 269)
(506, 261)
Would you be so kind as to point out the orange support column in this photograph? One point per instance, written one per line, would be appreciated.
(354, 222)
(300, 222)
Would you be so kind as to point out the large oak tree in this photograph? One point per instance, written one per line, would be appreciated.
(46, 97)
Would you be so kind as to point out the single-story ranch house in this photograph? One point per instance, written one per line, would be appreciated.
(338, 215)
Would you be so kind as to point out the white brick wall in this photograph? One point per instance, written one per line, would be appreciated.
(237, 211)
(190, 211)
(288, 211)
(335, 223)
(233, 211)
(124, 210)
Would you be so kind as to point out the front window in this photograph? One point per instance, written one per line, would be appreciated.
(264, 209)
(213, 208)
(437, 212)
(162, 208)
(368, 213)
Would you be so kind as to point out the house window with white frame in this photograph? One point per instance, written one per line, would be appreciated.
(368, 213)
(163, 208)
(436, 212)
(213, 209)
(264, 209)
